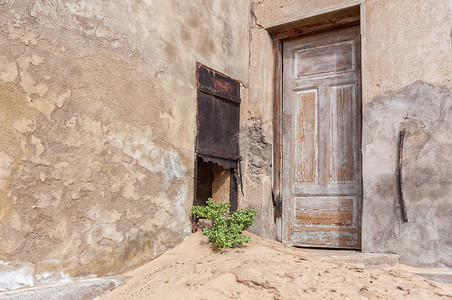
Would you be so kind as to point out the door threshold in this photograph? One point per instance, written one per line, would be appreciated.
(373, 260)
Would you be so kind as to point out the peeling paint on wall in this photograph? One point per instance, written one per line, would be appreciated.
(97, 125)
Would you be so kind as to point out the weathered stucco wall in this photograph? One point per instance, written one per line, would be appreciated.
(408, 76)
(425, 111)
(97, 128)
(406, 81)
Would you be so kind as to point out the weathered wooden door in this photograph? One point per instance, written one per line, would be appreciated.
(322, 189)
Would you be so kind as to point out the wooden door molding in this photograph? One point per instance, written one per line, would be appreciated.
(339, 19)
(328, 21)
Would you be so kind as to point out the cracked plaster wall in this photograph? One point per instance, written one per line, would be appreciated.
(256, 135)
(406, 72)
(97, 128)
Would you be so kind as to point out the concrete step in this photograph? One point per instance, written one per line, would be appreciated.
(74, 290)
(377, 260)
(373, 260)
(438, 276)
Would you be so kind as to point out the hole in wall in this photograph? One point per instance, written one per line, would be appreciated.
(213, 181)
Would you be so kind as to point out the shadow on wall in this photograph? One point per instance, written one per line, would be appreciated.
(425, 111)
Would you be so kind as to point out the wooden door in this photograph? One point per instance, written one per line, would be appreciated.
(322, 185)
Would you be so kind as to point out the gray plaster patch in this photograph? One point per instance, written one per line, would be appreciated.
(259, 151)
(425, 112)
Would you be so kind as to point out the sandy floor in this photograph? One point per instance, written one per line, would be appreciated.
(265, 269)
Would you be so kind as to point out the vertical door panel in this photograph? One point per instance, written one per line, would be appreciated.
(306, 154)
(342, 115)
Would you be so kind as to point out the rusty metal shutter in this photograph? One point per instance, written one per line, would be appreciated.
(218, 118)
(218, 123)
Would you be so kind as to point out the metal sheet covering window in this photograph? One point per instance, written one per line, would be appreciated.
(218, 123)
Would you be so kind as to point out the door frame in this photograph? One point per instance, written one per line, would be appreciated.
(314, 24)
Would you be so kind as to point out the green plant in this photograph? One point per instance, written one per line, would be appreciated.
(226, 228)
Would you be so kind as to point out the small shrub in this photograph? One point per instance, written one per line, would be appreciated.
(226, 228)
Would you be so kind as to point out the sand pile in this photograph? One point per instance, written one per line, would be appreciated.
(265, 269)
